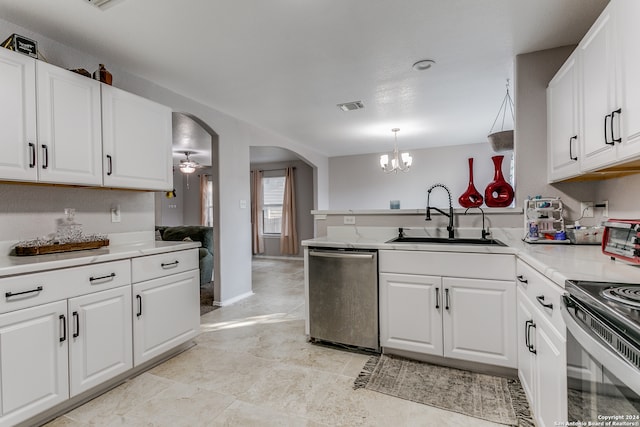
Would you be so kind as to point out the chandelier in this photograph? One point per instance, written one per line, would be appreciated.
(398, 162)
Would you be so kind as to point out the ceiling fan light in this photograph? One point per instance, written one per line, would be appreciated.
(187, 168)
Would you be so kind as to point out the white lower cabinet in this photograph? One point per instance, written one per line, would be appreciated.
(465, 318)
(64, 332)
(166, 306)
(166, 314)
(33, 361)
(100, 338)
(542, 360)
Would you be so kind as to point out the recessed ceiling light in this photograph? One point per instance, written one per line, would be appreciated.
(423, 64)
(103, 4)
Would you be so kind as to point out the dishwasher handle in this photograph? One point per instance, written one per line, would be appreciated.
(341, 254)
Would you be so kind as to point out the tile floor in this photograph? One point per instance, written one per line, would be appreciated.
(253, 367)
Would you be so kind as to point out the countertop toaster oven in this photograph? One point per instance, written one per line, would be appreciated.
(621, 239)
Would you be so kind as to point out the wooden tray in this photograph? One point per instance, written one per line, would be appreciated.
(64, 247)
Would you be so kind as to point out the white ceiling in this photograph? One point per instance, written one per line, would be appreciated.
(285, 64)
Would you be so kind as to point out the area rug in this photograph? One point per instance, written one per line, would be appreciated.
(487, 397)
(206, 298)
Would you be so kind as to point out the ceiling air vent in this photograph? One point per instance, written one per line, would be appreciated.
(350, 106)
(103, 4)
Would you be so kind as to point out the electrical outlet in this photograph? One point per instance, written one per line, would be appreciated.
(350, 220)
(586, 209)
(115, 214)
(605, 208)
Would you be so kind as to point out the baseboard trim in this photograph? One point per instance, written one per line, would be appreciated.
(232, 300)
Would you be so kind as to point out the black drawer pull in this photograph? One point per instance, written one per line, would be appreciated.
(170, 264)
(63, 338)
(613, 114)
(532, 349)
(446, 299)
(45, 154)
(109, 165)
(437, 298)
(76, 333)
(606, 141)
(108, 276)
(11, 294)
(571, 156)
(542, 303)
(139, 298)
(521, 279)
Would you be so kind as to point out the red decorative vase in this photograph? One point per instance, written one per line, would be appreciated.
(499, 193)
(472, 197)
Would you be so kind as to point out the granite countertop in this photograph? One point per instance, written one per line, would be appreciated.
(558, 262)
(120, 248)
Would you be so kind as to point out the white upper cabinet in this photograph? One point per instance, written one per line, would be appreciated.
(598, 92)
(608, 94)
(563, 123)
(137, 138)
(18, 112)
(69, 127)
(626, 42)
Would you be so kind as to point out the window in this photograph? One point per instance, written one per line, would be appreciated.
(272, 197)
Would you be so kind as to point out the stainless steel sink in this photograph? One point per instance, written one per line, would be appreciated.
(444, 240)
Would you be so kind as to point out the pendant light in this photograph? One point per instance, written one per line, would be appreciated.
(398, 162)
(502, 140)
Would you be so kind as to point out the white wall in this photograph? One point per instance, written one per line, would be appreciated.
(357, 182)
(235, 137)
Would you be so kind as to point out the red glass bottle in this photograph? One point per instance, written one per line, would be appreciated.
(472, 197)
(499, 193)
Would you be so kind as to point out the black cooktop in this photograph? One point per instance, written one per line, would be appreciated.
(617, 303)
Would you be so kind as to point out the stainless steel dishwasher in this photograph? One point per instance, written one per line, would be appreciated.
(343, 297)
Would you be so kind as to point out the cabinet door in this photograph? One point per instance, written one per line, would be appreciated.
(33, 361)
(550, 375)
(526, 334)
(166, 313)
(411, 313)
(628, 34)
(479, 321)
(69, 127)
(18, 112)
(597, 90)
(100, 337)
(137, 138)
(562, 123)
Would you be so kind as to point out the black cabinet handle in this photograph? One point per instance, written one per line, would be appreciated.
(570, 146)
(613, 114)
(108, 276)
(437, 298)
(526, 333)
(446, 298)
(109, 165)
(63, 338)
(11, 294)
(76, 317)
(521, 279)
(540, 299)
(32, 155)
(170, 264)
(139, 298)
(45, 154)
(530, 346)
(606, 141)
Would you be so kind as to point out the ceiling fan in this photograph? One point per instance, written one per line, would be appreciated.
(187, 165)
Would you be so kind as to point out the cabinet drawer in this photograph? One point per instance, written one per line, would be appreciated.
(540, 290)
(451, 264)
(154, 266)
(29, 290)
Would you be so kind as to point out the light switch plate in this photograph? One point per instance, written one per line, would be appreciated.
(115, 214)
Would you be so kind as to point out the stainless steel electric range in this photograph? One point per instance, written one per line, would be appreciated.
(603, 351)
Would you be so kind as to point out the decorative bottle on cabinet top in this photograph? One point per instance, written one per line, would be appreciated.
(103, 75)
(499, 193)
(472, 197)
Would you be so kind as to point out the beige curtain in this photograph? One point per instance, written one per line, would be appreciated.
(204, 180)
(289, 235)
(257, 242)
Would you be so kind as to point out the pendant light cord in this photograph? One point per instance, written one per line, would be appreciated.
(506, 103)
